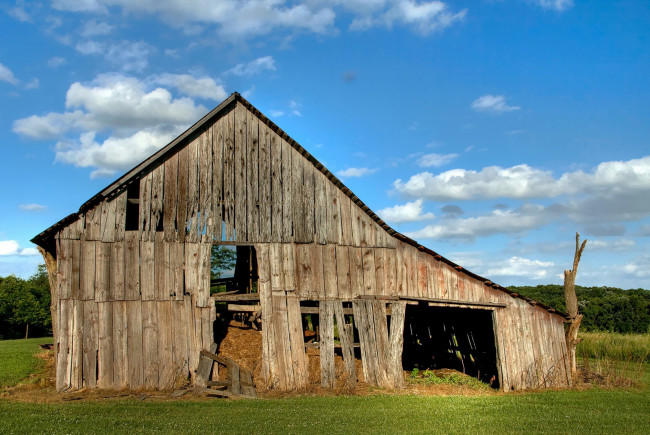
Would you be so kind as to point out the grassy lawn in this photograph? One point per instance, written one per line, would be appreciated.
(591, 410)
(17, 359)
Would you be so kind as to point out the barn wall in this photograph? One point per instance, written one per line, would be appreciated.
(133, 307)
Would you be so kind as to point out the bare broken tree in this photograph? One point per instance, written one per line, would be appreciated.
(572, 305)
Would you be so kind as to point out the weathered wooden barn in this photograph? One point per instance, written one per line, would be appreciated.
(130, 276)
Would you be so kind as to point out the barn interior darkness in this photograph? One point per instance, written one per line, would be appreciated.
(454, 338)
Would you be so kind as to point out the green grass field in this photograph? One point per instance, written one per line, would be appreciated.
(17, 359)
(593, 410)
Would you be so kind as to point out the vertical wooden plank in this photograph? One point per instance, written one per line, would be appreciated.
(166, 376)
(356, 272)
(304, 268)
(269, 268)
(433, 285)
(150, 335)
(381, 341)
(90, 345)
(390, 268)
(298, 202)
(63, 352)
(193, 322)
(144, 206)
(120, 216)
(182, 180)
(380, 273)
(193, 208)
(217, 178)
(346, 218)
(131, 266)
(288, 267)
(347, 351)
(361, 322)
(396, 344)
(334, 229)
(277, 185)
(181, 340)
(203, 276)
(108, 220)
(229, 175)
(120, 351)
(355, 220)
(285, 375)
(287, 192)
(252, 178)
(369, 283)
(170, 196)
(192, 261)
(147, 271)
(326, 347)
(87, 270)
(343, 272)
(320, 208)
(309, 196)
(265, 204)
(105, 345)
(205, 187)
(64, 268)
(240, 168)
(76, 376)
(297, 340)
(157, 199)
(102, 271)
(317, 284)
(329, 272)
(161, 267)
(135, 373)
(117, 271)
(422, 277)
(175, 285)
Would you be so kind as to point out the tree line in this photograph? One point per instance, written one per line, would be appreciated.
(604, 308)
(25, 306)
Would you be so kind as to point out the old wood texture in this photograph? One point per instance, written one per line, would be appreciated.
(135, 298)
(326, 348)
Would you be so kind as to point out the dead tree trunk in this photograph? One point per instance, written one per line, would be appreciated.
(575, 319)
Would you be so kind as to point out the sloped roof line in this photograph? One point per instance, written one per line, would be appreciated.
(144, 166)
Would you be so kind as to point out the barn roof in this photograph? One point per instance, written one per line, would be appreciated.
(46, 238)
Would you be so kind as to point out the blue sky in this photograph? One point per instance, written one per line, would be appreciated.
(490, 131)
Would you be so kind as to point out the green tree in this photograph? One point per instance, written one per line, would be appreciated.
(222, 260)
(25, 305)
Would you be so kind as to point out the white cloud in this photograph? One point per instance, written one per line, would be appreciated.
(409, 212)
(492, 104)
(95, 28)
(558, 5)
(523, 182)
(639, 267)
(32, 84)
(56, 62)
(114, 122)
(12, 247)
(613, 245)
(519, 181)
(527, 217)
(9, 247)
(6, 75)
(127, 55)
(276, 113)
(424, 17)
(253, 67)
(202, 87)
(32, 207)
(114, 154)
(355, 172)
(241, 19)
(19, 13)
(435, 160)
(521, 267)
(29, 252)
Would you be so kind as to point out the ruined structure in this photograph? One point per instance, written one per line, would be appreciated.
(130, 276)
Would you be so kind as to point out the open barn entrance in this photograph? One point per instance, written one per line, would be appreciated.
(453, 338)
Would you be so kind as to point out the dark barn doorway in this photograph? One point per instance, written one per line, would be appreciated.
(453, 338)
